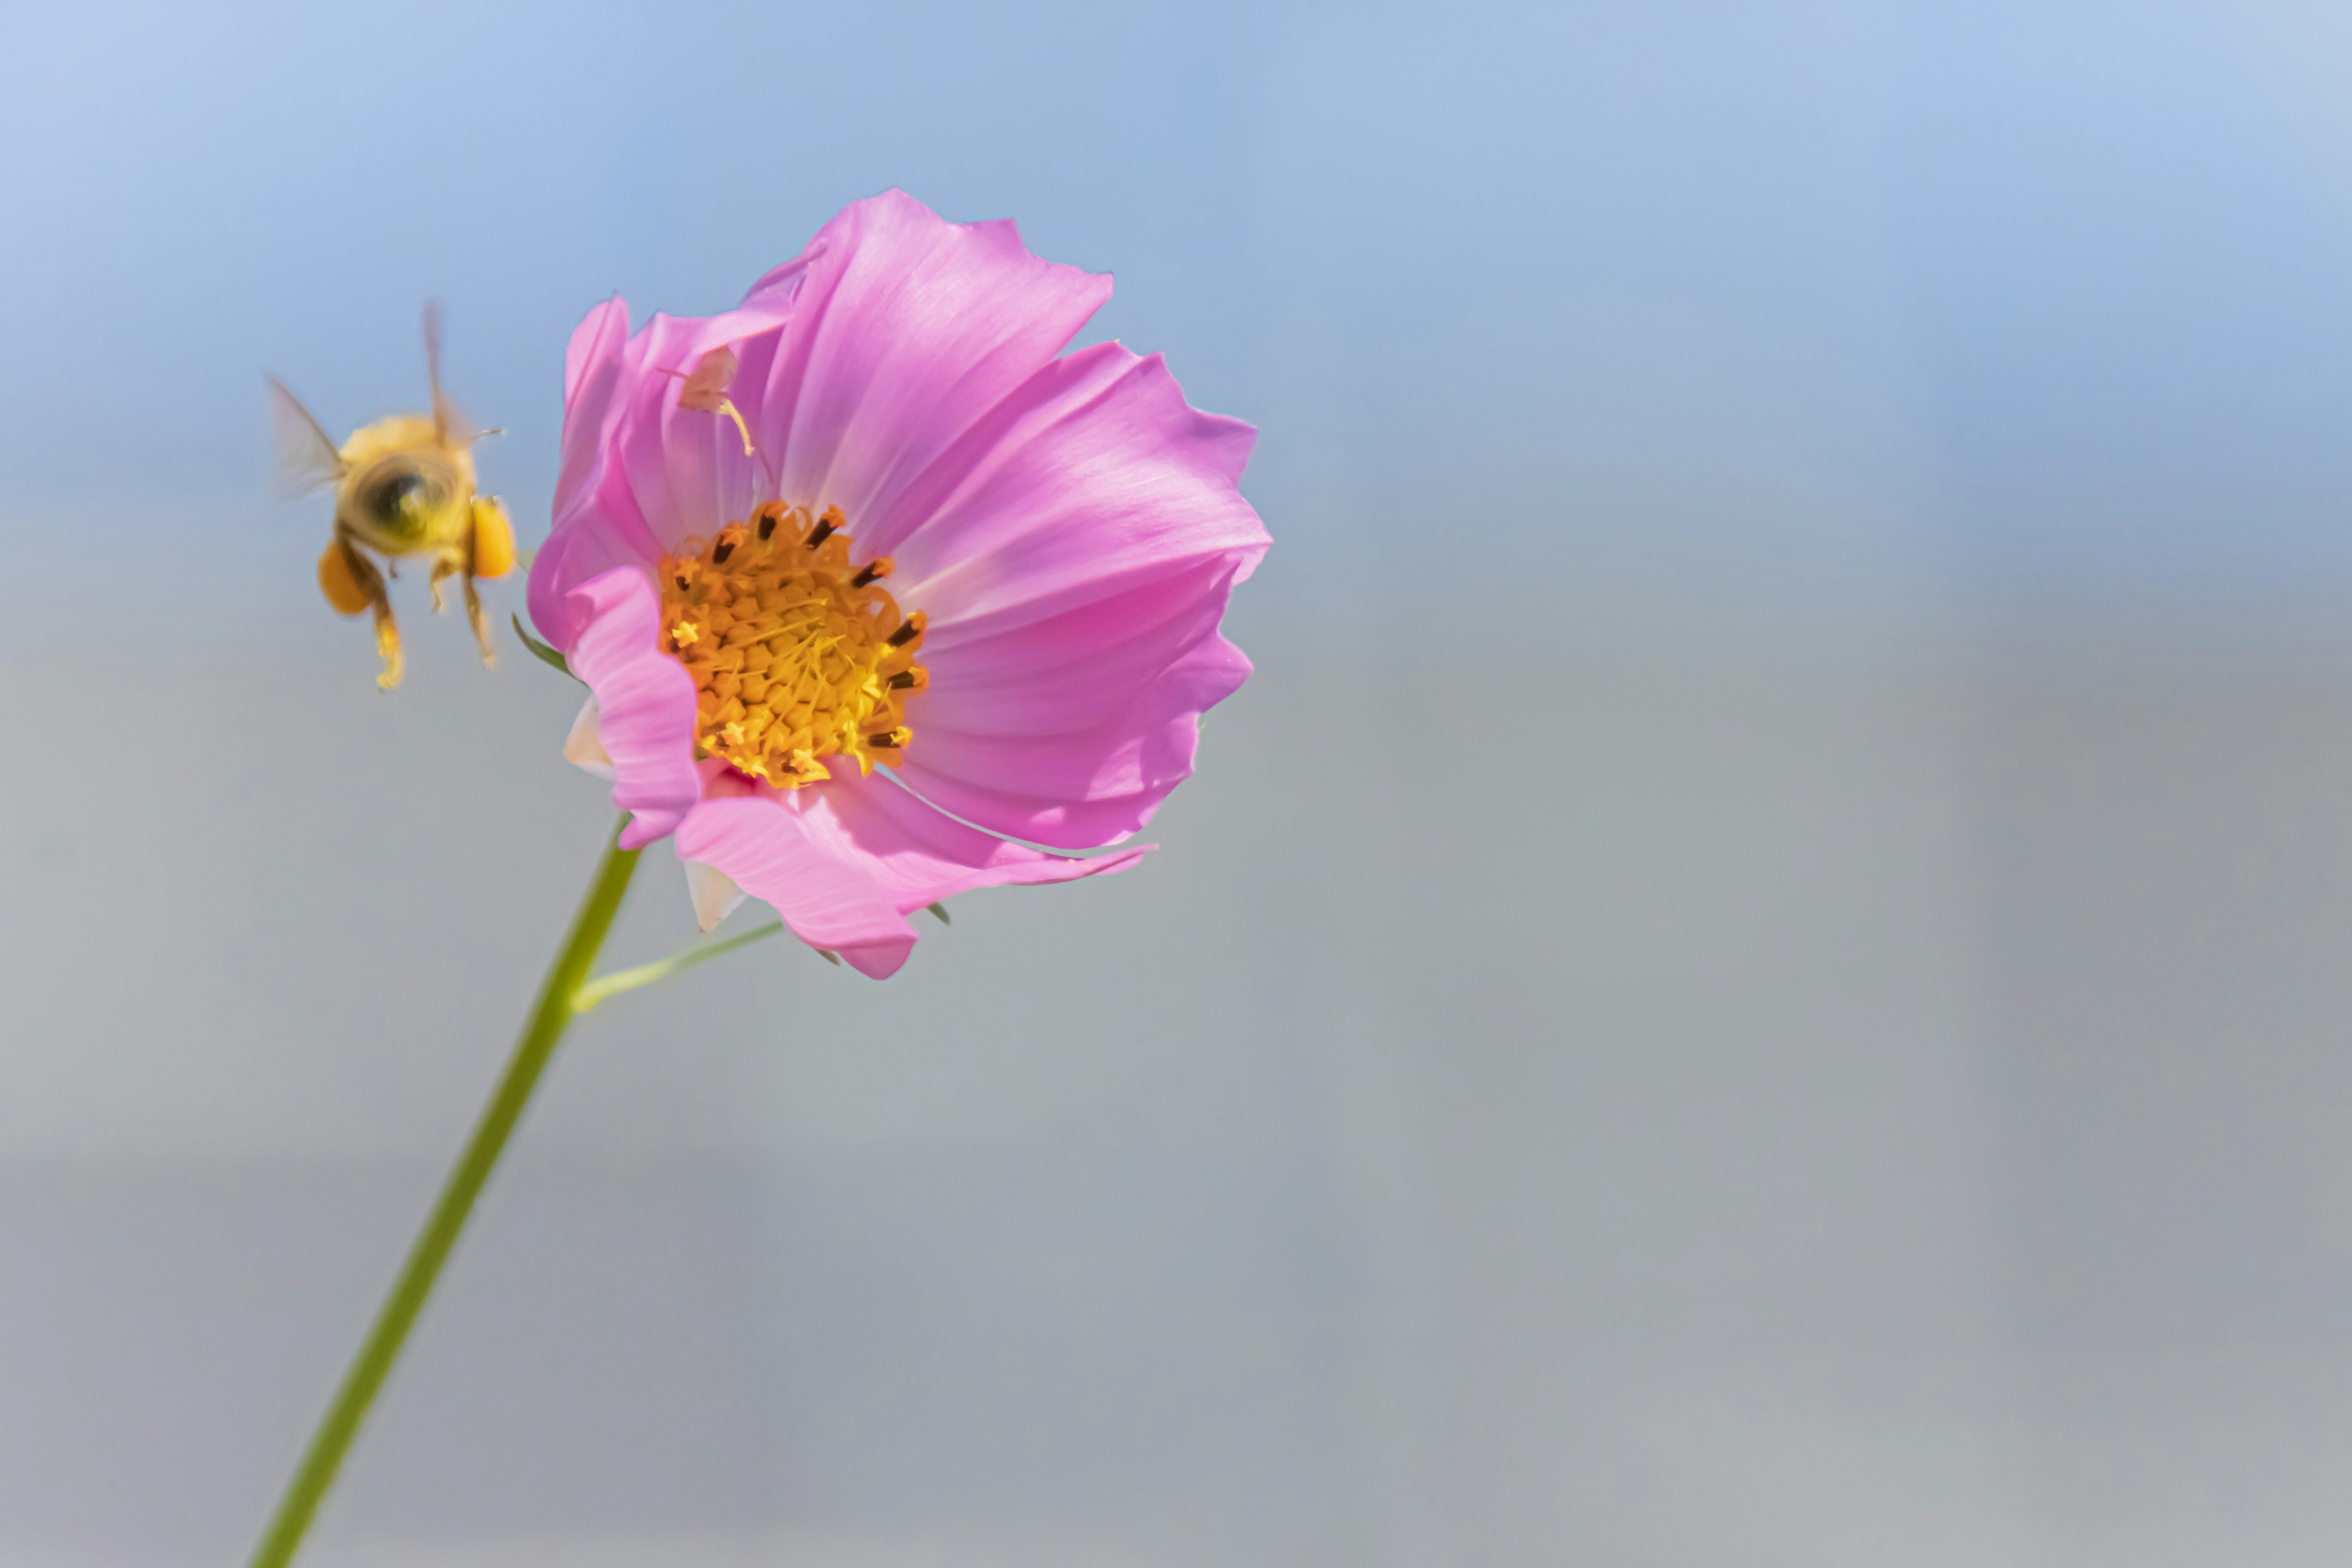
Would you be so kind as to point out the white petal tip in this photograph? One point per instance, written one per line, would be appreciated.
(584, 748)
(714, 893)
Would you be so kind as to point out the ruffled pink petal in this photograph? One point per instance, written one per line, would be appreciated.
(919, 855)
(1075, 670)
(593, 540)
(907, 329)
(638, 472)
(1075, 553)
(644, 702)
(844, 860)
(1088, 787)
(828, 899)
(1094, 471)
(591, 374)
(685, 468)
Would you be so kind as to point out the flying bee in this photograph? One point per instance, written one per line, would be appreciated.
(403, 487)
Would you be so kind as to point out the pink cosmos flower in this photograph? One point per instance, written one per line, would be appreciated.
(869, 581)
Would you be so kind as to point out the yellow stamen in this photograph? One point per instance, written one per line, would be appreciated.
(726, 406)
(795, 655)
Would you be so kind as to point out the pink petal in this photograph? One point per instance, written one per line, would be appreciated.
(591, 373)
(919, 855)
(685, 468)
(1075, 670)
(908, 329)
(827, 899)
(644, 702)
(1096, 470)
(638, 472)
(1090, 788)
(587, 544)
(1075, 554)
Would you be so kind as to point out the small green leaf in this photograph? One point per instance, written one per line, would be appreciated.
(546, 654)
(829, 956)
(940, 911)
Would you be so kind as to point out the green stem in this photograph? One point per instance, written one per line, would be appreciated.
(554, 1010)
(620, 980)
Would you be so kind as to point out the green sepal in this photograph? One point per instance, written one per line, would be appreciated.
(546, 654)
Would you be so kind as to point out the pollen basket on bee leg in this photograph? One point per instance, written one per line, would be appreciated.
(341, 584)
(492, 544)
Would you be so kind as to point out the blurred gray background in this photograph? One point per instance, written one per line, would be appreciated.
(1760, 978)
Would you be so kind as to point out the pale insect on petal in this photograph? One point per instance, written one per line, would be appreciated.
(584, 748)
(706, 388)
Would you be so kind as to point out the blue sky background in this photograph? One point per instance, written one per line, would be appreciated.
(1881, 308)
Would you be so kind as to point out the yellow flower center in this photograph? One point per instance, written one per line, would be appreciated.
(796, 655)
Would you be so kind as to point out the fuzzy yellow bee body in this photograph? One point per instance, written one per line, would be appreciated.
(404, 487)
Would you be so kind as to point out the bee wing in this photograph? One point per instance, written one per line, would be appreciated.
(307, 456)
(449, 421)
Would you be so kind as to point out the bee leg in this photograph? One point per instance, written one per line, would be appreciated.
(481, 620)
(351, 584)
(442, 569)
(387, 645)
(490, 553)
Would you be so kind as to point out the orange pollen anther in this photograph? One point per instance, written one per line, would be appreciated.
(796, 655)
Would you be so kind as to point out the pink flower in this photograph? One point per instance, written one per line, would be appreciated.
(869, 580)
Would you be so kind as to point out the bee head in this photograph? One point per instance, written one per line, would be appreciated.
(403, 499)
(404, 492)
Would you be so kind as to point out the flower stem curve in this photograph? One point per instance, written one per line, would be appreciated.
(550, 1015)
